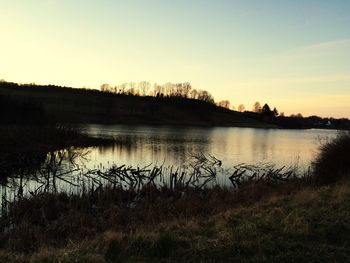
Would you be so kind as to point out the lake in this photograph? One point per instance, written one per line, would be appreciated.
(139, 146)
(143, 145)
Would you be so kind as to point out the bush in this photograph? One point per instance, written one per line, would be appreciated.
(333, 162)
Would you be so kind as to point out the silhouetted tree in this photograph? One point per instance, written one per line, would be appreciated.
(257, 107)
(157, 90)
(266, 110)
(105, 88)
(205, 96)
(144, 87)
(299, 115)
(194, 94)
(169, 90)
(241, 108)
(275, 112)
(224, 104)
(186, 89)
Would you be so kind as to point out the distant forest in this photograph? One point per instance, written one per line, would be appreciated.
(142, 103)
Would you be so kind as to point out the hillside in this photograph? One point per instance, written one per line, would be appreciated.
(70, 105)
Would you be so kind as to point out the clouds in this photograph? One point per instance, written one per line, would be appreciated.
(317, 50)
(292, 80)
(332, 45)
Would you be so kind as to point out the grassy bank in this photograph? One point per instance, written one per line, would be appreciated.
(309, 225)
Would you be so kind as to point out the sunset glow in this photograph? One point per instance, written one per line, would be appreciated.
(293, 55)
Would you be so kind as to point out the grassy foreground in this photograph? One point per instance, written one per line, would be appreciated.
(307, 225)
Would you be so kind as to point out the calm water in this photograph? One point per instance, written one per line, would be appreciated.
(143, 145)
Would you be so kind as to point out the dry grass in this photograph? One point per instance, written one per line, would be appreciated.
(308, 225)
(58, 219)
(332, 163)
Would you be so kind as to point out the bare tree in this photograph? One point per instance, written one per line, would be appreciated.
(299, 115)
(241, 108)
(224, 104)
(205, 96)
(144, 87)
(194, 94)
(257, 107)
(275, 112)
(105, 88)
(122, 88)
(179, 90)
(186, 89)
(131, 89)
(158, 90)
(168, 89)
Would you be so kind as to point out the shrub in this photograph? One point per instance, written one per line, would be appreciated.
(333, 161)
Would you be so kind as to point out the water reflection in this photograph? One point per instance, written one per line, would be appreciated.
(142, 145)
(159, 146)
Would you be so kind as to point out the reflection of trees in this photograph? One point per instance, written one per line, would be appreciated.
(23, 163)
(42, 173)
(261, 143)
(144, 145)
(126, 142)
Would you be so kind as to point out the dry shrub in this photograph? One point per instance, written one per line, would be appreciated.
(333, 162)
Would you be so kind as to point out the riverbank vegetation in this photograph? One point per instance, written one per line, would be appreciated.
(267, 215)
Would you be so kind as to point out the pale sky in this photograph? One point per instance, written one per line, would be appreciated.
(292, 54)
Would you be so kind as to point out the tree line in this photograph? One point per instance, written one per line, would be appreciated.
(17, 110)
(178, 90)
(167, 90)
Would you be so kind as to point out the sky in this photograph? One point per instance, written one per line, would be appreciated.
(293, 54)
